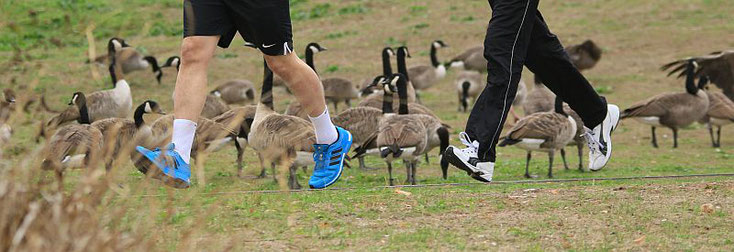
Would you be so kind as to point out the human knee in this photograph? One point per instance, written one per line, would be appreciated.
(193, 53)
(282, 65)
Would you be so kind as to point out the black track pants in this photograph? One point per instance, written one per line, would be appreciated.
(518, 36)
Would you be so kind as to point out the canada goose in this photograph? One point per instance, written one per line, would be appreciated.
(239, 119)
(74, 145)
(131, 60)
(213, 106)
(115, 102)
(471, 60)
(399, 136)
(672, 110)
(311, 49)
(376, 97)
(362, 122)
(541, 99)
(585, 55)
(425, 76)
(720, 113)
(370, 87)
(469, 84)
(236, 92)
(123, 133)
(395, 137)
(544, 131)
(281, 139)
(717, 66)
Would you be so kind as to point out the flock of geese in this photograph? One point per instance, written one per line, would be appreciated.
(97, 128)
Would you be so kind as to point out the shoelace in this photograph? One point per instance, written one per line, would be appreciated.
(591, 140)
(318, 154)
(471, 146)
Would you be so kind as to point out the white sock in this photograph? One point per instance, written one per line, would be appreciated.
(183, 137)
(325, 130)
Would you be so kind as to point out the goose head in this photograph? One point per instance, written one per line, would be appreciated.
(9, 95)
(115, 44)
(152, 107)
(374, 85)
(78, 99)
(403, 51)
(315, 47)
(438, 44)
(388, 51)
(173, 61)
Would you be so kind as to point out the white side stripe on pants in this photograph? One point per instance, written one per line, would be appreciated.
(512, 58)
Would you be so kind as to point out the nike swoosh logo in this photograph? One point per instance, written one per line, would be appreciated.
(268, 46)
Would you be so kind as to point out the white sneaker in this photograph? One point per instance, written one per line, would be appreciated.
(600, 139)
(467, 160)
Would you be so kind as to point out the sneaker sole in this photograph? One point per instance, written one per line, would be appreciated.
(457, 162)
(615, 121)
(341, 165)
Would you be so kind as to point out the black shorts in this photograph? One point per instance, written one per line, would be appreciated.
(264, 24)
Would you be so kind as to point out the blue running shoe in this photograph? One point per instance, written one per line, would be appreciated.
(329, 160)
(173, 171)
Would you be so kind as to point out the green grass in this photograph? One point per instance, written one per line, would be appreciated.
(637, 37)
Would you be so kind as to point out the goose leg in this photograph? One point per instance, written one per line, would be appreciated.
(293, 179)
(348, 102)
(675, 138)
(654, 138)
(711, 133)
(426, 155)
(550, 163)
(718, 137)
(412, 173)
(563, 156)
(527, 165)
(336, 106)
(262, 167)
(408, 172)
(363, 166)
(389, 173)
(240, 152)
(580, 148)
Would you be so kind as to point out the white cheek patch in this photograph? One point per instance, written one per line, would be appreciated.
(313, 49)
(73, 99)
(390, 52)
(175, 62)
(117, 44)
(436, 45)
(217, 94)
(147, 108)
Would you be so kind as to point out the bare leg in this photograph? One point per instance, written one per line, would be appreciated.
(301, 80)
(675, 138)
(654, 138)
(718, 137)
(363, 166)
(190, 92)
(563, 156)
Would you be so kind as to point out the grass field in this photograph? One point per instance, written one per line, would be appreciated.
(43, 45)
